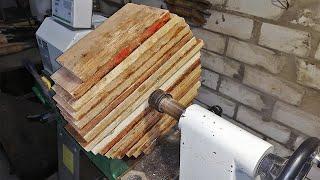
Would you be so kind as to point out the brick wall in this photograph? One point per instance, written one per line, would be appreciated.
(261, 64)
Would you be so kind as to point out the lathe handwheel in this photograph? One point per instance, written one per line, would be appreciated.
(299, 164)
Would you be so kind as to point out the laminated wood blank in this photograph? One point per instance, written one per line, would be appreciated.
(103, 86)
(100, 51)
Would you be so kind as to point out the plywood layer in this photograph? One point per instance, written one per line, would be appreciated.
(103, 87)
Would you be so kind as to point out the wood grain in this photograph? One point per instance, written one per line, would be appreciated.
(166, 70)
(103, 49)
(187, 99)
(156, 64)
(120, 130)
(62, 93)
(166, 128)
(142, 101)
(191, 79)
(160, 66)
(105, 91)
(103, 86)
(119, 150)
(149, 146)
(182, 85)
(156, 116)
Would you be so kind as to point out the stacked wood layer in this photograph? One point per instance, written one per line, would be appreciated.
(103, 86)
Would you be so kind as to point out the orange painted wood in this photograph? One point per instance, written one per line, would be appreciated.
(103, 87)
(166, 71)
(101, 50)
(105, 92)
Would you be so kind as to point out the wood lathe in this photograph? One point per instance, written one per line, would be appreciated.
(103, 79)
(214, 148)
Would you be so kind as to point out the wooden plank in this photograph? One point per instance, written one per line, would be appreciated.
(59, 100)
(164, 129)
(66, 80)
(109, 91)
(70, 122)
(96, 140)
(62, 93)
(103, 49)
(122, 128)
(187, 99)
(152, 135)
(74, 133)
(108, 101)
(135, 133)
(110, 145)
(153, 117)
(137, 145)
(166, 70)
(164, 81)
(122, 27)
(150, 146)
(93, 123)
(119, 150)
(128, 76)
(126, 64)
(67, 117)
(108, 81)
(156, 64)
(119, 132)
(164, 122)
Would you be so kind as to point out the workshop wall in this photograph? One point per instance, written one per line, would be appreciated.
(261, 64)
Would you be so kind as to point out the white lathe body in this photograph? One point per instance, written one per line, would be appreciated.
(213, 148)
